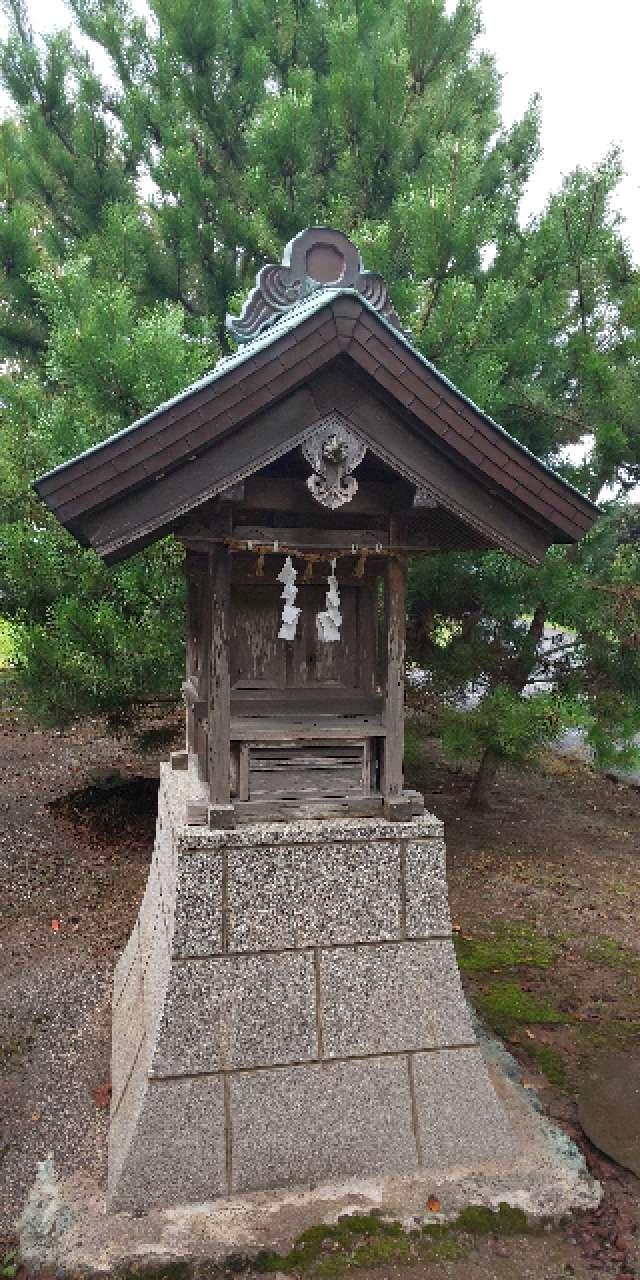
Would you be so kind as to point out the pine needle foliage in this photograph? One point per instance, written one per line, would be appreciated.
(138, 200)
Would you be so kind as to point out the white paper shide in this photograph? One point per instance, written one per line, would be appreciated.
(290, 613)
(329, 622)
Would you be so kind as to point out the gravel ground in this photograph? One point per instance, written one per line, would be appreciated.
(69, 899)
(560, 853)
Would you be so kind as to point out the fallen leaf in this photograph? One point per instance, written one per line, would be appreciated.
(526, 1084)
(102, 1095)
(433, 1204)
(55, 926)
(36, 1115)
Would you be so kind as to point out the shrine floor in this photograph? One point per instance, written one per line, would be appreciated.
(558, 856)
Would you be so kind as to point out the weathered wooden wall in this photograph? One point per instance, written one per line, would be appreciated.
(260, 661)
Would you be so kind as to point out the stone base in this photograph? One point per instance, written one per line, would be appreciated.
(65, 1227)
(288, 1011)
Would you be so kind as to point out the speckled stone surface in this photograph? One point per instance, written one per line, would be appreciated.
(126, 962)
(311, 831)
(302, 1124)
(398, 996)
(155, 981)
(290, 895)
(460, 1119)
(177, 1151)
(128, 1030)
(241, 1011)
(198, 907)
(427, 901)
(289, 1009)
(65, 1229)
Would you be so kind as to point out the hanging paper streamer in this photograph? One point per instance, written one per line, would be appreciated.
(290, 614)
(329, 622)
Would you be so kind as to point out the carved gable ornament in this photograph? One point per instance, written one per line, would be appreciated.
(334, 452)
(318, 258)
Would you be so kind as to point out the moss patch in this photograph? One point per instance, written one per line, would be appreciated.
(9, 1263)
(511, 947)
(505, 1006)
(550, 1062)
(605, 951)
(360, 1241)
(446, 1249)
(329, 1251)
(480, 1221)
(329, 1238)
(617, 1033)
(326, 1252)
(163, 1271)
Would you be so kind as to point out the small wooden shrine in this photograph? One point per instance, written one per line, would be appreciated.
(288, 1010)
(300, 475)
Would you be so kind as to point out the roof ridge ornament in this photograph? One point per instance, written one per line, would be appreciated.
(317, 258)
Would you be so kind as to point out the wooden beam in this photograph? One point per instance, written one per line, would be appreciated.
(318, 700)
(312, 539)
(244, 564)
(318, 807)
(219, 684)
(282, 493)
(136, 517)
(394, 611)
(195, 686)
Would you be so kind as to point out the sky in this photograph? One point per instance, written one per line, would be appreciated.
(581, 56)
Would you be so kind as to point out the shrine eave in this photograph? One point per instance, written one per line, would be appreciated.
(183, 448)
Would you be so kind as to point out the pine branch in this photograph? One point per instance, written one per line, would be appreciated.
(545, 411)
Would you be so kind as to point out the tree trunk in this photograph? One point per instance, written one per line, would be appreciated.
(480, 787)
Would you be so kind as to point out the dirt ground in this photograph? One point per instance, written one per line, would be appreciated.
(545, 896)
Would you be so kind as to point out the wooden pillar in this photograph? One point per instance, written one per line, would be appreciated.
(394, 610)
(195, 592)
(395, 593)
(221, 811)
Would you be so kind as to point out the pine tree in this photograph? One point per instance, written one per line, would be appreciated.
(574, 377)
(136, 211)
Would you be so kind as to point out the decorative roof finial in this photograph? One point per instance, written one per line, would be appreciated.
(318, 258)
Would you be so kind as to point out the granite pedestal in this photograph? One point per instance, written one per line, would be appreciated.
(288, 1011)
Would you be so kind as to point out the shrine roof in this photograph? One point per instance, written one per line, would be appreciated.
(284, 343)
